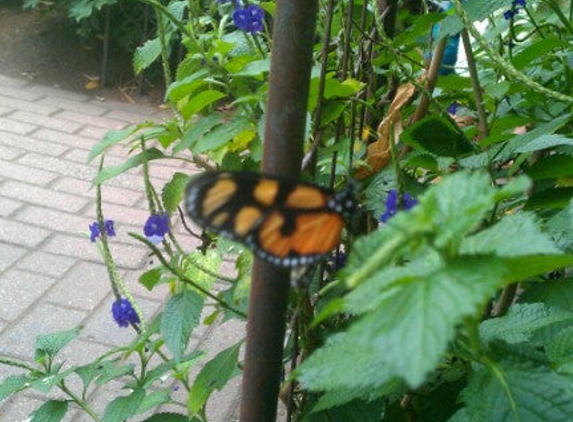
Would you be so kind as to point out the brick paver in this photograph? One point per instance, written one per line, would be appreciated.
(51, 276)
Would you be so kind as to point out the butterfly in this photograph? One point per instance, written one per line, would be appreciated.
(286, 223)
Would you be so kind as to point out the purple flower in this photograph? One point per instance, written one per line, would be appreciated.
(392, 204)
(508, 14)
(453, 108)
(517, 3)
(123, 313)
(339, 260)
(95, 229)
(249, 19)
(156, 227)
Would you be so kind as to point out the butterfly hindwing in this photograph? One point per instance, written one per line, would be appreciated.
(285, 223)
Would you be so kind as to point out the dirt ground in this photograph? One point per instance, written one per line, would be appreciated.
(42, 46)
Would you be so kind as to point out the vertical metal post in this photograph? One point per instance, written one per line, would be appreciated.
(291, 60)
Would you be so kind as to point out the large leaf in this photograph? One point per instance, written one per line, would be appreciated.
(437, 135)
(521, 322)
(173, 191)
(221, 135)
(51, 411)
(170, 417)
(551, 167)
(122, 408)
(213, 376)
(146, 54)
(201, 100)
(180, 317)
(510, 392)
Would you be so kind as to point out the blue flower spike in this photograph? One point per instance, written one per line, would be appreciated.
(249, 19)
(392, 205)
(95, 229)
(156, 227)
(123, 313)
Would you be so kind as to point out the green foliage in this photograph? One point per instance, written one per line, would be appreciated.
(458, 310)
(51, 411)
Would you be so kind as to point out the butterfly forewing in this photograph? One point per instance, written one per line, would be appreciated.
(285, 223)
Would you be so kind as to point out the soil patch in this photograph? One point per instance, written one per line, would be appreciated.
(43, 46)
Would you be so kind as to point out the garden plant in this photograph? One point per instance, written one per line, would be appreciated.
(449, 297)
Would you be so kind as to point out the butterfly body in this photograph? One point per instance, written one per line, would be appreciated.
(285, 223)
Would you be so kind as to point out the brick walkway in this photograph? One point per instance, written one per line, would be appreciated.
(51, 276)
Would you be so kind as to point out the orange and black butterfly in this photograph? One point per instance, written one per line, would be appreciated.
(285, 223)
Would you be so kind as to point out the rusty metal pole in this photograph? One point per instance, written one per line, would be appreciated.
(291, 60)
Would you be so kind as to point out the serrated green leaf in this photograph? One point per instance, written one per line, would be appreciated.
(173, 191)
(145, 55)
(12, 384)
(51, 344)
(521, 321)
(202, 268)
(511, 392)
(159, 371)
(560, 228)
(560, 350)
(554, 293)
(135, 161)
(180, 317)
(214, 376)
(514, 235)
(122, 408)
(51, 411)
(436, 134)
(199, 101)
(89, 372)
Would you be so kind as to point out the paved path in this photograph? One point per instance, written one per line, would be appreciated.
(51, 276)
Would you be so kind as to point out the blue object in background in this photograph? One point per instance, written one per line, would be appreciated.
(451, 52)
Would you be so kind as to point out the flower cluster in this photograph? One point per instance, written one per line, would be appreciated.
(392, 205)
(249, 18)
(515, 7)
(156, 227)
(123, 313)
(96, 230)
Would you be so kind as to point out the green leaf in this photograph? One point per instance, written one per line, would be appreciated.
(145, 55)
(173, 191)
(555, 198)
(152, 277)
(202, 268)
(200, 101)
(111, 371)
(122, 408)
(551, 167)
(544, 142)
(521, 322)
(198, 130)
(186, 86)
(170, 417)
(402, 332)
(153, 400)
(535, 51)
(514, 235)
(51, 344)
(180, 317)
(511, 392)
(113, 137)
(214, 376)
(51, 411)
(560, 227)
(221, 135)
(358, 410)
(12, 384)
(135, 161)
(554, 293)
(476, 11)
(255, 68)
(436, 134)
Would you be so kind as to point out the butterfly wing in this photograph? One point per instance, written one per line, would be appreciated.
(285, 223)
